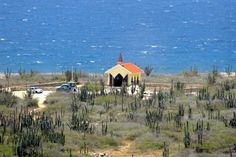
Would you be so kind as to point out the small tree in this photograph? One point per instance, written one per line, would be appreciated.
(68, 74)
(76, 75)
(211, 79)
(228, 70)
(30, 102)
(7, 75)
(142, 90)
(102, 87)
(22, 73)
(215, 71)
(148, 70)
(123, 92)
(194, 70)
(32, 73)
(179, 86)
(7, 98)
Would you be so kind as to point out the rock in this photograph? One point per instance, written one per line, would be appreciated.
(100, 155)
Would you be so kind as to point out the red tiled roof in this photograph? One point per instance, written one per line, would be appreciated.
(132, 68)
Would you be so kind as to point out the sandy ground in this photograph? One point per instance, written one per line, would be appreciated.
(126, 151)
(40, 97)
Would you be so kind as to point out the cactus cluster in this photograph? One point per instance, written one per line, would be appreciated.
(30, 130)
(80, 122)
(179, 86)
(203, 94)
(153, 118)
(199, 131)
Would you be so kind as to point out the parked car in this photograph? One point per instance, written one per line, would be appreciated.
(66, 88)
(34, 90)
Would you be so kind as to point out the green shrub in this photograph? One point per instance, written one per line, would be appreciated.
(108, 141)
(192, 72)
(7, 98)
(211, 79)
(148, 70)
(32, 103)
(148, 143)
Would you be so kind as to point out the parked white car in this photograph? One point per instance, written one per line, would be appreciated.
(34, 90)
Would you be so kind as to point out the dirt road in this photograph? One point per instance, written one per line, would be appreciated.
(126, 151)
(40, 97)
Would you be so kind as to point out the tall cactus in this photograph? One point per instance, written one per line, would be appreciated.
(189, 112)
(187, 138)
(232, 122)
(166, 150)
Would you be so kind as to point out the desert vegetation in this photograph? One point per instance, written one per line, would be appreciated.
(172, 121)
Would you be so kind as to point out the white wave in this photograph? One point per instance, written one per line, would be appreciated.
(78, 63)
(2, 39)
(24, 20)
(144, 52)
(162, 54)
(92, 61)
(93, 46)
(195, 1)
(8, 56)
(39, 62)
(216, 39)
(18, 54)
(154, 46)
(175, 47)
(12, 42)
(166, 11)
(143, 24)
(199, 45)
(84, 41)
(26, 54)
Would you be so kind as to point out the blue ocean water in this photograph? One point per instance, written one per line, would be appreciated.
(169, 35)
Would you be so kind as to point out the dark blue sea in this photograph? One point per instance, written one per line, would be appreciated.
(169, 35)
